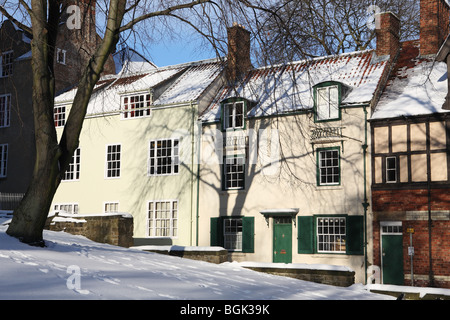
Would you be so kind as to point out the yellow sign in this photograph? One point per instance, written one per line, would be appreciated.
(410, 230)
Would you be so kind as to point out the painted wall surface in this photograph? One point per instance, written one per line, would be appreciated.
(289, 183)
(135, 187)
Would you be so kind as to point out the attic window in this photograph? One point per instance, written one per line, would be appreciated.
(136, 106)
(61, 56)
(327, 102)
(233, 115)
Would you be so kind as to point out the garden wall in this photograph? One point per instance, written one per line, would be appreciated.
(111, 228)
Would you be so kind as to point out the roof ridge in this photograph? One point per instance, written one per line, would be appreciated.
(305, 61)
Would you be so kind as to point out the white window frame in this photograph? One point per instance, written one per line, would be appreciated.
(116, 161)
(234, 183)
(391, 227)
(72, 206)
(162, 223)
(61, 53)
(232, 234)
(74, 170)
(158, 159)
(395, 169)
(59, 115)
(5, 110)
(320, 166)
(233, 115)
(129, 109)
(6, 69)
(111, 207)
(3, 160)
(333, 241)
(327, 103)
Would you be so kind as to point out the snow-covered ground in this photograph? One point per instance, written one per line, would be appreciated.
(73, 267)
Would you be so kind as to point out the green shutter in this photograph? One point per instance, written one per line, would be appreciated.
(248, 234)
(216, 232)
(355, 235)
(305, 228)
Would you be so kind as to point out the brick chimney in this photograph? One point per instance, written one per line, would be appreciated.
(238, 61)
(434, 25)
(388, 34)
(75, 46)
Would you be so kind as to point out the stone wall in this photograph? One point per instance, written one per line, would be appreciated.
(339, 278)
(114, 228)
(210, 254)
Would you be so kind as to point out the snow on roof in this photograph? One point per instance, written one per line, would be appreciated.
(192, 83)
(193, 79)
(129, 61)
(418, 86)
(287, 88)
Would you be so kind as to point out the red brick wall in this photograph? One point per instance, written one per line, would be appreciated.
(434, 25)
(395, 202)
(440, 251)
(388, 41)
(410, 200)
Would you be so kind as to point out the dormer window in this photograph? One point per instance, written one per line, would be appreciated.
(233, 115)
(59, 116)
(327, 100)
(136, 106)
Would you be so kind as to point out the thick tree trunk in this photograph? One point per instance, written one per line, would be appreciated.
(29, 218)
(53, 157)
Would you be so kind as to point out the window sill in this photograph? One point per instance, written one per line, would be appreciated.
(232, 191)
(327, 188)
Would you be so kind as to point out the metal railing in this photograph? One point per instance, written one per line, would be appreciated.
(9, 201)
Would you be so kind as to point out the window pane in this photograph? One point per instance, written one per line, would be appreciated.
(233, 234)
(5, 110)
(327, 103)
(329, 170)
(233, 115)
(73, 171)
(331, 234)
(234, 173)
(163, 219)
(3, 160)
(391, 169)
(136, 106)
(113, 161)
(164, 157)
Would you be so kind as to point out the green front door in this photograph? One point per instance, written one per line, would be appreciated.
(282, 240)
(392, 259)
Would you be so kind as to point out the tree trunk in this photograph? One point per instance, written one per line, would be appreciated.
(30, 216)
(53, 157)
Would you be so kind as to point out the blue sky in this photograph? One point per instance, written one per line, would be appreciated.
(175, 52)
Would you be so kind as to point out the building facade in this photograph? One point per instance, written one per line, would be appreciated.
(73, 47)
(410, 161)
(285, 169)
(137, 148)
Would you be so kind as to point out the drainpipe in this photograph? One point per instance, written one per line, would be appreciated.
(365, 203)
(192, 169)
(430, 223)
(198, 182)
